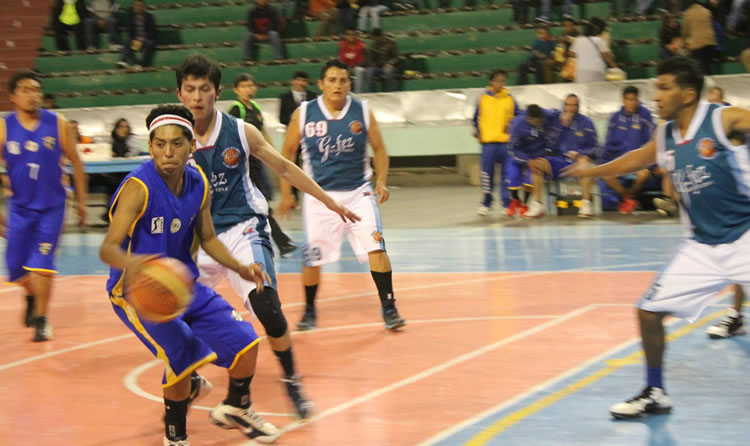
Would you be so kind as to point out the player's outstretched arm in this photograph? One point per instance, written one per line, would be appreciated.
(219, 252)
(68, 144)
(632, 161)
(129, 206)
(289, 171)
(5, 176)
(289, 151)
(380, 159)
(735, 119)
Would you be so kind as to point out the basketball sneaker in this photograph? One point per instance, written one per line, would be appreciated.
(43, 331)
(666, 207)
(294, 389)
(483, 211)
(28, 317)
(392, 320)
(513, 207)
(652, 400)
(246, 420)
(168, 442)
(730, 325)
(585, 210)
(627, 206)
(536, 210)
(308, 322)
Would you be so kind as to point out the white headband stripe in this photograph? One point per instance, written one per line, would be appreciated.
(171, 120)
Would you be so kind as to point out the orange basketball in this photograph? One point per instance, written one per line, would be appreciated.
(162, 290)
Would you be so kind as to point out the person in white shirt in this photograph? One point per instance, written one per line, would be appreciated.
(592, 53)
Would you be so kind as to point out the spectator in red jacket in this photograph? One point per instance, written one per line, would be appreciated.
(352, 53)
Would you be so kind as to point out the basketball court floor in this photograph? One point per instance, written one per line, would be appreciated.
(519, 333)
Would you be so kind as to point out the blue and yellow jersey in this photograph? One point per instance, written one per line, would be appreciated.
(33, 161)
(493, 115)
(334, 149)
(626, 132)
(711, 175)
(166, 223)
(224, 160)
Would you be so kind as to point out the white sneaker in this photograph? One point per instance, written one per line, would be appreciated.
(585, 210)
(730, 325)
(665, 207)
(199, 387)
(536, 210)
(168, 442)
(483, 211)
(246, 420)
(652, 400)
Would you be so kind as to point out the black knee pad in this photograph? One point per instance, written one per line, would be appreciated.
(267, 308)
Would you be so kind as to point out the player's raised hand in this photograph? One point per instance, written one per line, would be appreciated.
(287, 204)
(343, 212)
(254, 273)
(382, 192)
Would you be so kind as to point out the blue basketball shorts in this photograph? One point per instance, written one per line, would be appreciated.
(32, 240)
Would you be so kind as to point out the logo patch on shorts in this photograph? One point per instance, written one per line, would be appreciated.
(45, 248)
(377, 236)
(355, 127)
(175, 226)
(231, 157)
(157, 225)
(707, 148)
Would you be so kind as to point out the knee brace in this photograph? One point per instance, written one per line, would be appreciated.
(267, 308)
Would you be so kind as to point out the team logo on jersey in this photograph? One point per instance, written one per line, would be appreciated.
(175, 226)
(231, 157)
(31, 146)
(157, 225)
(49, 142)
(14, 148)
(355, 127)
(707, 148)
(45, 248)
(377, 236)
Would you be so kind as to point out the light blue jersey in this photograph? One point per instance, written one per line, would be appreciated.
(224, 160)
(711, 175)
(334, 150)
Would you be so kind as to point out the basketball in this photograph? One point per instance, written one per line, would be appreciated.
(162, 290)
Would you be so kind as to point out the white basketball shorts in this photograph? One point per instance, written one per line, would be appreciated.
(687, 284)
(324, 228)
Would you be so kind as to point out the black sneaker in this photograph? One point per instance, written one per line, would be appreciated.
(43, 329)
(308, 322)
(294, 389)
(730, 325)
(392, 320)
(28, 318)
(652, 400)
(286, 249)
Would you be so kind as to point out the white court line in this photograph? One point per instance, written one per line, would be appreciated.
(131, 378)
(444, 366)
(456, 428)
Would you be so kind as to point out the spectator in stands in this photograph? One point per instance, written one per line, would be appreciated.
(291, 100)
(48, 101)
(101, 17)
(381, 61)
(249, 111)
(328, 14)
(540, 59)
(122, 140)
(77, 134)
(700, 37)
(142, 35)
(715, 95)
(565, 60)
(495, 110)
(572, 139)
(545, 6)
(528, 141)
(592, 53)
(628, 129)
(735, 14)
(371, 9)
(69, 15)
(262, 26)
(347, 14)
(671, 42)
(627, 7)
(352, 53)
(520, 10)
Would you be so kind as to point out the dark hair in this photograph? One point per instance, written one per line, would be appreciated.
(376, 32)
(534, 111)
(199, 67)
(48, 96)
(630, 89)
(687, 73)
(494, 73)
(117, 124)
(243, 77)
(178, 110)
(594, 27)
(333, 63)
(21, 75)
(300, 75)
(573, 95)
